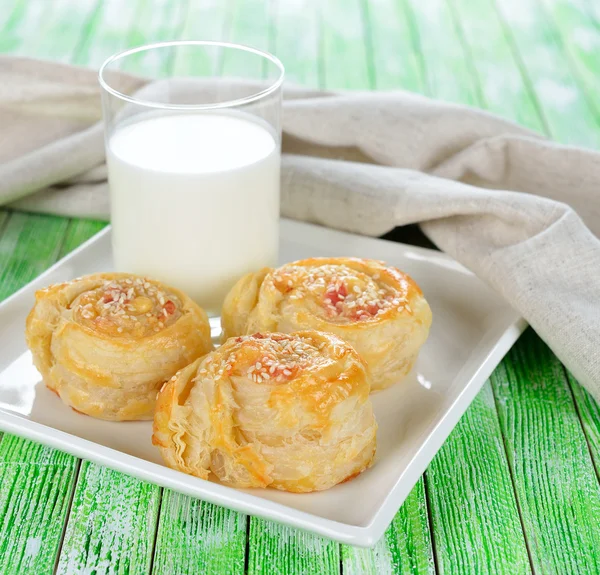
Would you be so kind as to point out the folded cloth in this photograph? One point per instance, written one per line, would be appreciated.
(522, 212)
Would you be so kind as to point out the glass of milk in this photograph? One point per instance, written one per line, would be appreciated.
(193, 146)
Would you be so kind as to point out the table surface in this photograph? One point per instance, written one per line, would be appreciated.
(515, 488)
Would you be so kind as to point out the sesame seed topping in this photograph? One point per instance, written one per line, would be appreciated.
(124, 303)
(344, 293)
(271, 358)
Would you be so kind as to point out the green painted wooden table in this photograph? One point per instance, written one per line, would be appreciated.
(515, 488)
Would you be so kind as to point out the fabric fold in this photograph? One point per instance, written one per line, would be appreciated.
(518, 210)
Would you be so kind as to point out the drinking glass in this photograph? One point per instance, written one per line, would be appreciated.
(193, 156)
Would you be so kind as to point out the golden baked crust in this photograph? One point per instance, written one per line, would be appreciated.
(106, 342)
(270, 410)
(378, 309)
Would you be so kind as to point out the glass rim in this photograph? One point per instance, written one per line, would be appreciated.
(165, 106)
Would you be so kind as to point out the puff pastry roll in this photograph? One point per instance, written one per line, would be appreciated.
(105, 343)
(290, 412)
(378, 309)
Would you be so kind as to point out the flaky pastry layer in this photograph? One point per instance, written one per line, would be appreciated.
(106, 342)
(376, 308)
(288, 411)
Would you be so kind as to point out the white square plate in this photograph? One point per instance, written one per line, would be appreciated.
(472, 330)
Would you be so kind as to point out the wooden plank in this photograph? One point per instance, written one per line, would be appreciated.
(9, 10)
(159, 21)
(579, 37)
(197, 537)
(118, 26)
(30, 244)
(274, 549)
(296, 42)
(475, 518)
(4, 217)
(87, 543)
(537, 47)
(578, 25)
(404, 550)
(206, 20)
(108, 31)
(60, 30)
(79, 231)
(481, 25)
(36, 482)
(556, 486)
(470, 472)
(279, 550)
(505, 90)
(395, 45)
(589, 414)
(112, 524)
(345, 59)
(25, 20)
(406, 546)
(35, 490)
(250, 25)
(42, 236)
(591, 10)
(452, 77)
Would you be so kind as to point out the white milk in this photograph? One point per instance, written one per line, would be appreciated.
(195, 200)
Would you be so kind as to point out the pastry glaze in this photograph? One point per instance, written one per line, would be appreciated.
(377, 309)
(106, 342)
(288, 411)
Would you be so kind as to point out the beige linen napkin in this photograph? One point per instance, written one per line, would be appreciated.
(503, 201)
